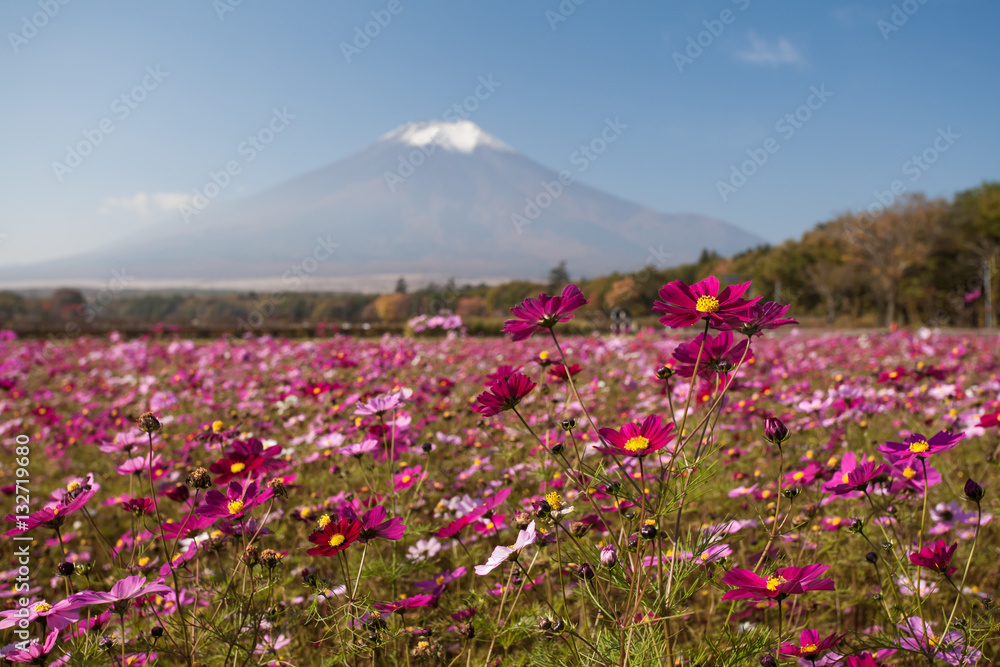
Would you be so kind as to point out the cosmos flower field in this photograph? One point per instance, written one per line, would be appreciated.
(725, 489)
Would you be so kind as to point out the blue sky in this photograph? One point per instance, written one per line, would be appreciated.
(211, 73)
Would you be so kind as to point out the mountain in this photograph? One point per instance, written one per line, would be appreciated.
(427, 200)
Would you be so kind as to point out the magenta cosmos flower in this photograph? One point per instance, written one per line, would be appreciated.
(334, 537)
(936, 557)
(858, 479)
(684, 305)
(718, 356)
(758, 317)
(784, 582)
(920, 447)
(374, 523)
(811, 645)
(637, 439)
(239, 500)
(246, 459)
(504, 394)
(537, 315)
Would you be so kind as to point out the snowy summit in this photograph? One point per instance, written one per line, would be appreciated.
(461, 136)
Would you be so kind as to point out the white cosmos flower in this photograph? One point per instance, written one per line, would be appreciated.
(501, 554)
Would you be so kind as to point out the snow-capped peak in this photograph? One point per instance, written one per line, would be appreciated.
(461, 136)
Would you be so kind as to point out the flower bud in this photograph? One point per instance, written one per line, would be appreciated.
(609, 556)
(791, 493)
(568, 424)
(585, 572)
(776, 433)
(558, 625)
(871, 557)
(544, 624)
(156, 631)
(467, 630)
(767, 660)
(648, 530)
(199, 478)
(664, 373)
(856, 525)
(66, 569)
(427, 447)
(973, 491)
(558, 448)
(148, 423)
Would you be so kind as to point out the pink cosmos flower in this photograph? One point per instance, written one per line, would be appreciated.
(502, 554)
(57, 616)
(758, 317)
(637, 440)
(407, 478)
(920, 447)
(39, 653)
(952, 648)
(936, 557)
(537, 315)
(685, 305)
(504, 394)
(811, 645)
(240, 498)
(718, 356)
(374, 523)
(858, 479)
(784, 582)
(247, 458)
(124, 591)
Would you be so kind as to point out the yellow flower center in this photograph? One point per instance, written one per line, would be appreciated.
(324, 521)
(406, 479)
(305, 513)
(919, 446)
(809, 648)
(909, 473)
(554, 501)
(543, 355)
(707, 304)
(799, 475)
(773, 582)
(336, 540)
(217, 425)
(237, 467)
(439, 580)
(932, 639)
(235, 506)
(637, 444)
(42, 607)
(73, 486)
(846, 478)
(144, 561)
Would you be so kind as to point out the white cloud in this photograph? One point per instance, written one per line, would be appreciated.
(762, 53)
(144, 204)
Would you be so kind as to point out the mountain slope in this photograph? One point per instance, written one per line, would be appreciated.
(426, 199)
